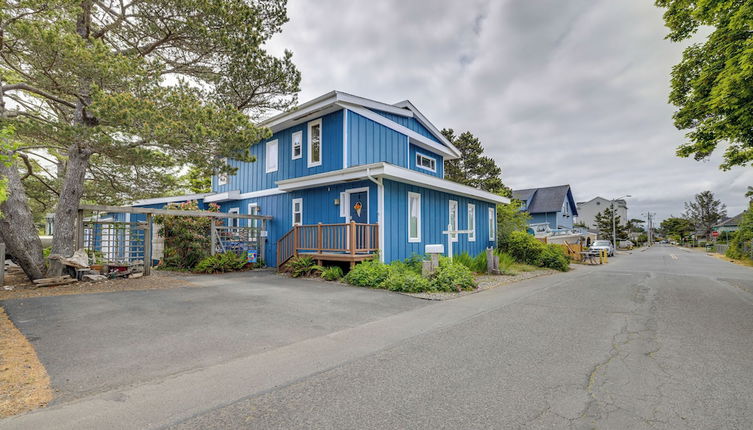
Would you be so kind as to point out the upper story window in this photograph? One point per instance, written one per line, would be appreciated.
(222, 176)
(297, 145)
(425, 162)
(271, 156)
(565, 209)
(315, 143)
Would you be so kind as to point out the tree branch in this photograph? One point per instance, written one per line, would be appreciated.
(37, 91)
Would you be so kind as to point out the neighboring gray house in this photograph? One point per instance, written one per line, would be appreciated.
(549, 205)
(730, 225)
(587, 210)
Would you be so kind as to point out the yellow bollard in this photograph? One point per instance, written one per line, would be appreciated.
(606, 256)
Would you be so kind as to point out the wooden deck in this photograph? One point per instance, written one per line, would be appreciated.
(351, 242)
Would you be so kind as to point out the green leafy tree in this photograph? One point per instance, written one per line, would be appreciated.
(122, 95)
(603, 221)
(705, 211)
(711, 86)
(741, 245)
(509, 219)
(677, 228)
(473, 168)
(635, 225)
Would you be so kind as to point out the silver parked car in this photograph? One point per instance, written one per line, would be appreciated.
(605, 245)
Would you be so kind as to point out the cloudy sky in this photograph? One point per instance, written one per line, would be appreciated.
(558, 91)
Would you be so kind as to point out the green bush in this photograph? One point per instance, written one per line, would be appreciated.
(332, 273)
(225, 262)
(742, 241)
(505, 261)
(452, 276)
(406, 281)
(368, 274)
(187, 239)
(554, 257)
(303, 266)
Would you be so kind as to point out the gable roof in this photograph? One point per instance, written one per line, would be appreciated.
(336, 100)
(619, 202)
(546, 199)
(732, 222)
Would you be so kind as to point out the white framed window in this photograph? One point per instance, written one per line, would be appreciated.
(315, 143)
(297, 211)
(472, 222)
(253, 209)
(492, 224)
(454, 219)
(414, 217)
(426, 163)
(234, 222)
(296, 148)
(222, 176)
(271, 156)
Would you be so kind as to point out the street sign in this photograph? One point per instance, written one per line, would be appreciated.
(715, 233)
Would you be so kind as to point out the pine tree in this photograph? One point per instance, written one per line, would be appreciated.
(473, 168)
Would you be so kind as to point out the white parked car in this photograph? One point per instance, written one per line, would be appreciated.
(603, 244)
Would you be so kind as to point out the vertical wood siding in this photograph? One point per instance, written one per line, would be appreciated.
(437, 158)
(370, 142)
(434, 219)
(410, 123)
(252, 176)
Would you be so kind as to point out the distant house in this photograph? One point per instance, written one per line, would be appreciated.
(552, 206)
(730, 225)
(588, 210)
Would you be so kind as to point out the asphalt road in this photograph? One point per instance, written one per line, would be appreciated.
(654, 339)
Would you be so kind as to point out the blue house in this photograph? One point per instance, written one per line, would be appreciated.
(548, 206)
(346, 178)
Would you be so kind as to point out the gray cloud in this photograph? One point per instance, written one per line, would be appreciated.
(559, 92)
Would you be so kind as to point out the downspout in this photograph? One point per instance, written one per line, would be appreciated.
(380, 210)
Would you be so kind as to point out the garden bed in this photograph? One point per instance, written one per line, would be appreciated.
(486, 282)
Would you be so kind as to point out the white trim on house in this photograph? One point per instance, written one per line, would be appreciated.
(421, 166)
(252, 222)
(413, 137)
(417, 238)
(309, 143)
(389, 171)
(223, 197)
(380, 217)
(300, 211)
(234, 222)
(268, 152)
(261, 193)
(345, 138)
(299, 134)
(426, 123)
(454, 222)
(172, 199)
(471, 227)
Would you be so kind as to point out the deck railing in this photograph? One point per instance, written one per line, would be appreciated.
(346, 238)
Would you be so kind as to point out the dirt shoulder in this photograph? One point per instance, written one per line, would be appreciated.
(24, 383)
(22, 289)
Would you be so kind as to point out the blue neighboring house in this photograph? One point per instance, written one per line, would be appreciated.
(552, 206)
(339, 159)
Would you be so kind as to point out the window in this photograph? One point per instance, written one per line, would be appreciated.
(492, 224)
(315, 143)
(271, 156)
(253, 209)
(425, 162)
(297, 211)
(222, 176)
(234, 222)
(454, 219)
(471, 222)
(297, 145)
(414, 217)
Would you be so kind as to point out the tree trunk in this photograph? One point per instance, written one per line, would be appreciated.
(17, 226)
(63, 241)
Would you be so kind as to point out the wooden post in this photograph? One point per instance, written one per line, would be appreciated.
(212, 238)
(2, 268)
(295, 240)
(319, 238)
(352, 237)
(80, 230)
(148, 246)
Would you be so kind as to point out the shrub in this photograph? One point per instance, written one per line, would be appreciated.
(187, 239)
(303, 266)
(225, 262)
(505, 261)
(415, 262)
(742, 240)
(525, 248)
(452, 276)
(406, 281)
(476, 264)
(368, 274)
(332, 273)
(554, 257)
